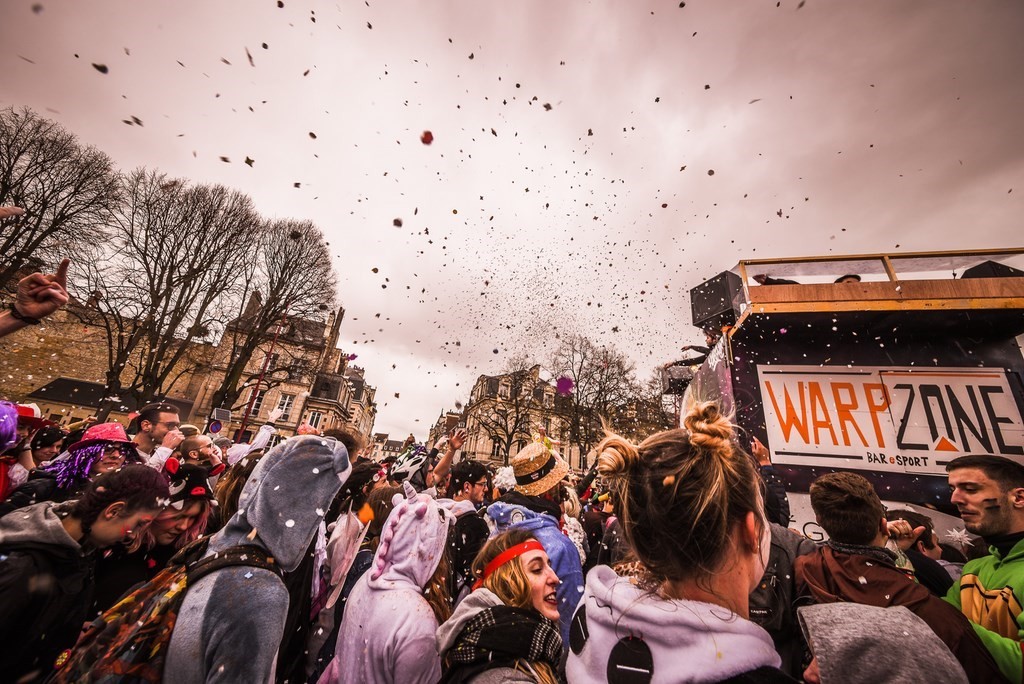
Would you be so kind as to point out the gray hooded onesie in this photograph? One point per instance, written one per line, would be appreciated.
(231, 622)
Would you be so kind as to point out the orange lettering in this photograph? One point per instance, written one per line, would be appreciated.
(875, 409)
(844, 410)
(820, 421)
(790, 419)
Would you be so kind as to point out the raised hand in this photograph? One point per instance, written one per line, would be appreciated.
(40, 295)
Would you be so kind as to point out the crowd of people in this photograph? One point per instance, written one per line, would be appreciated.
(154, 552)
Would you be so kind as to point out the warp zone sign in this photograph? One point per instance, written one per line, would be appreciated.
(898, 419)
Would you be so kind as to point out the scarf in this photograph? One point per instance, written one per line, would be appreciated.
(500, 636)
(879, 553)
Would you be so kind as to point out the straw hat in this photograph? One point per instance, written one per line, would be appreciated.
(538, 469)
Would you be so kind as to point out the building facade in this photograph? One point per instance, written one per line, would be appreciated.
(505, 412)
(445, 423)
(61, 366)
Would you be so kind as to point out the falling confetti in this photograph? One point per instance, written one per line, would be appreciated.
(564, 385)
(427, 137)
(102, 68)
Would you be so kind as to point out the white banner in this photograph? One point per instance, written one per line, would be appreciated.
(899, 419)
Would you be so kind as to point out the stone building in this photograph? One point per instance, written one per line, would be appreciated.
(362, 404)
(445, 423)
(505, 411)
(381, 447)
(61, 366)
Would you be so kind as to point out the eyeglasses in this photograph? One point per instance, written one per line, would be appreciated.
(112, 449)
(480, 484)
(169, 423)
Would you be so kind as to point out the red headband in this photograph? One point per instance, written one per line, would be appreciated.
(507, 555)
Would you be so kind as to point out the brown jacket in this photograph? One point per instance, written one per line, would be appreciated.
(830, 576)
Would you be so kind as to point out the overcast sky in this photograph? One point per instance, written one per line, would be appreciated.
(569, 186)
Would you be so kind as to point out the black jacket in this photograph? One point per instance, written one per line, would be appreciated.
(471, 533)
(772, 601)
(45, 590)
(118, 572)
(41, 486)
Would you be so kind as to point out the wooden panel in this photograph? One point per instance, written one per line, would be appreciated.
(903, 292)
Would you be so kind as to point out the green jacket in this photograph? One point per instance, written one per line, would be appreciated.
(990, 594)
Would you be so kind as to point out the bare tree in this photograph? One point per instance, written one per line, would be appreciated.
(603, 380)
(290, 278)
(505, 414)
(643, 414)
(174, 252)
(66, 189)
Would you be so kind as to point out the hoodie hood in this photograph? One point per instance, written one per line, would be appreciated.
(36, 526)
(412, 541)
(843, 634)
(461, 508)
(505, 515)
(468, 609)
(286, 497)
(620, 628)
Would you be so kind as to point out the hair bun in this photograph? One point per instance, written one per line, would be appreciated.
(616, 456)
(708, 428)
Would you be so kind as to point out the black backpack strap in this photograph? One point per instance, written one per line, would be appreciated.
(234, 556)
(190, 553)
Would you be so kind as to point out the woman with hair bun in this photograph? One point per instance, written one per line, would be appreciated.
(506, 630)
(692, 513)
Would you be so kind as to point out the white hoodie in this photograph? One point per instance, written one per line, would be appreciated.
(620, 627)
(387, 635)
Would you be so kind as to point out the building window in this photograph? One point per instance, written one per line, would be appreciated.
(315, 418)
(495, 450)
(284, 405)
(549, 400)
(256, 397)
(272, 361)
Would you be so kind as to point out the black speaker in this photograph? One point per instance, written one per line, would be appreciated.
(992, 269)
(717, 302)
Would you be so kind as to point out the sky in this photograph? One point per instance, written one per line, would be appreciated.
(591, 161)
